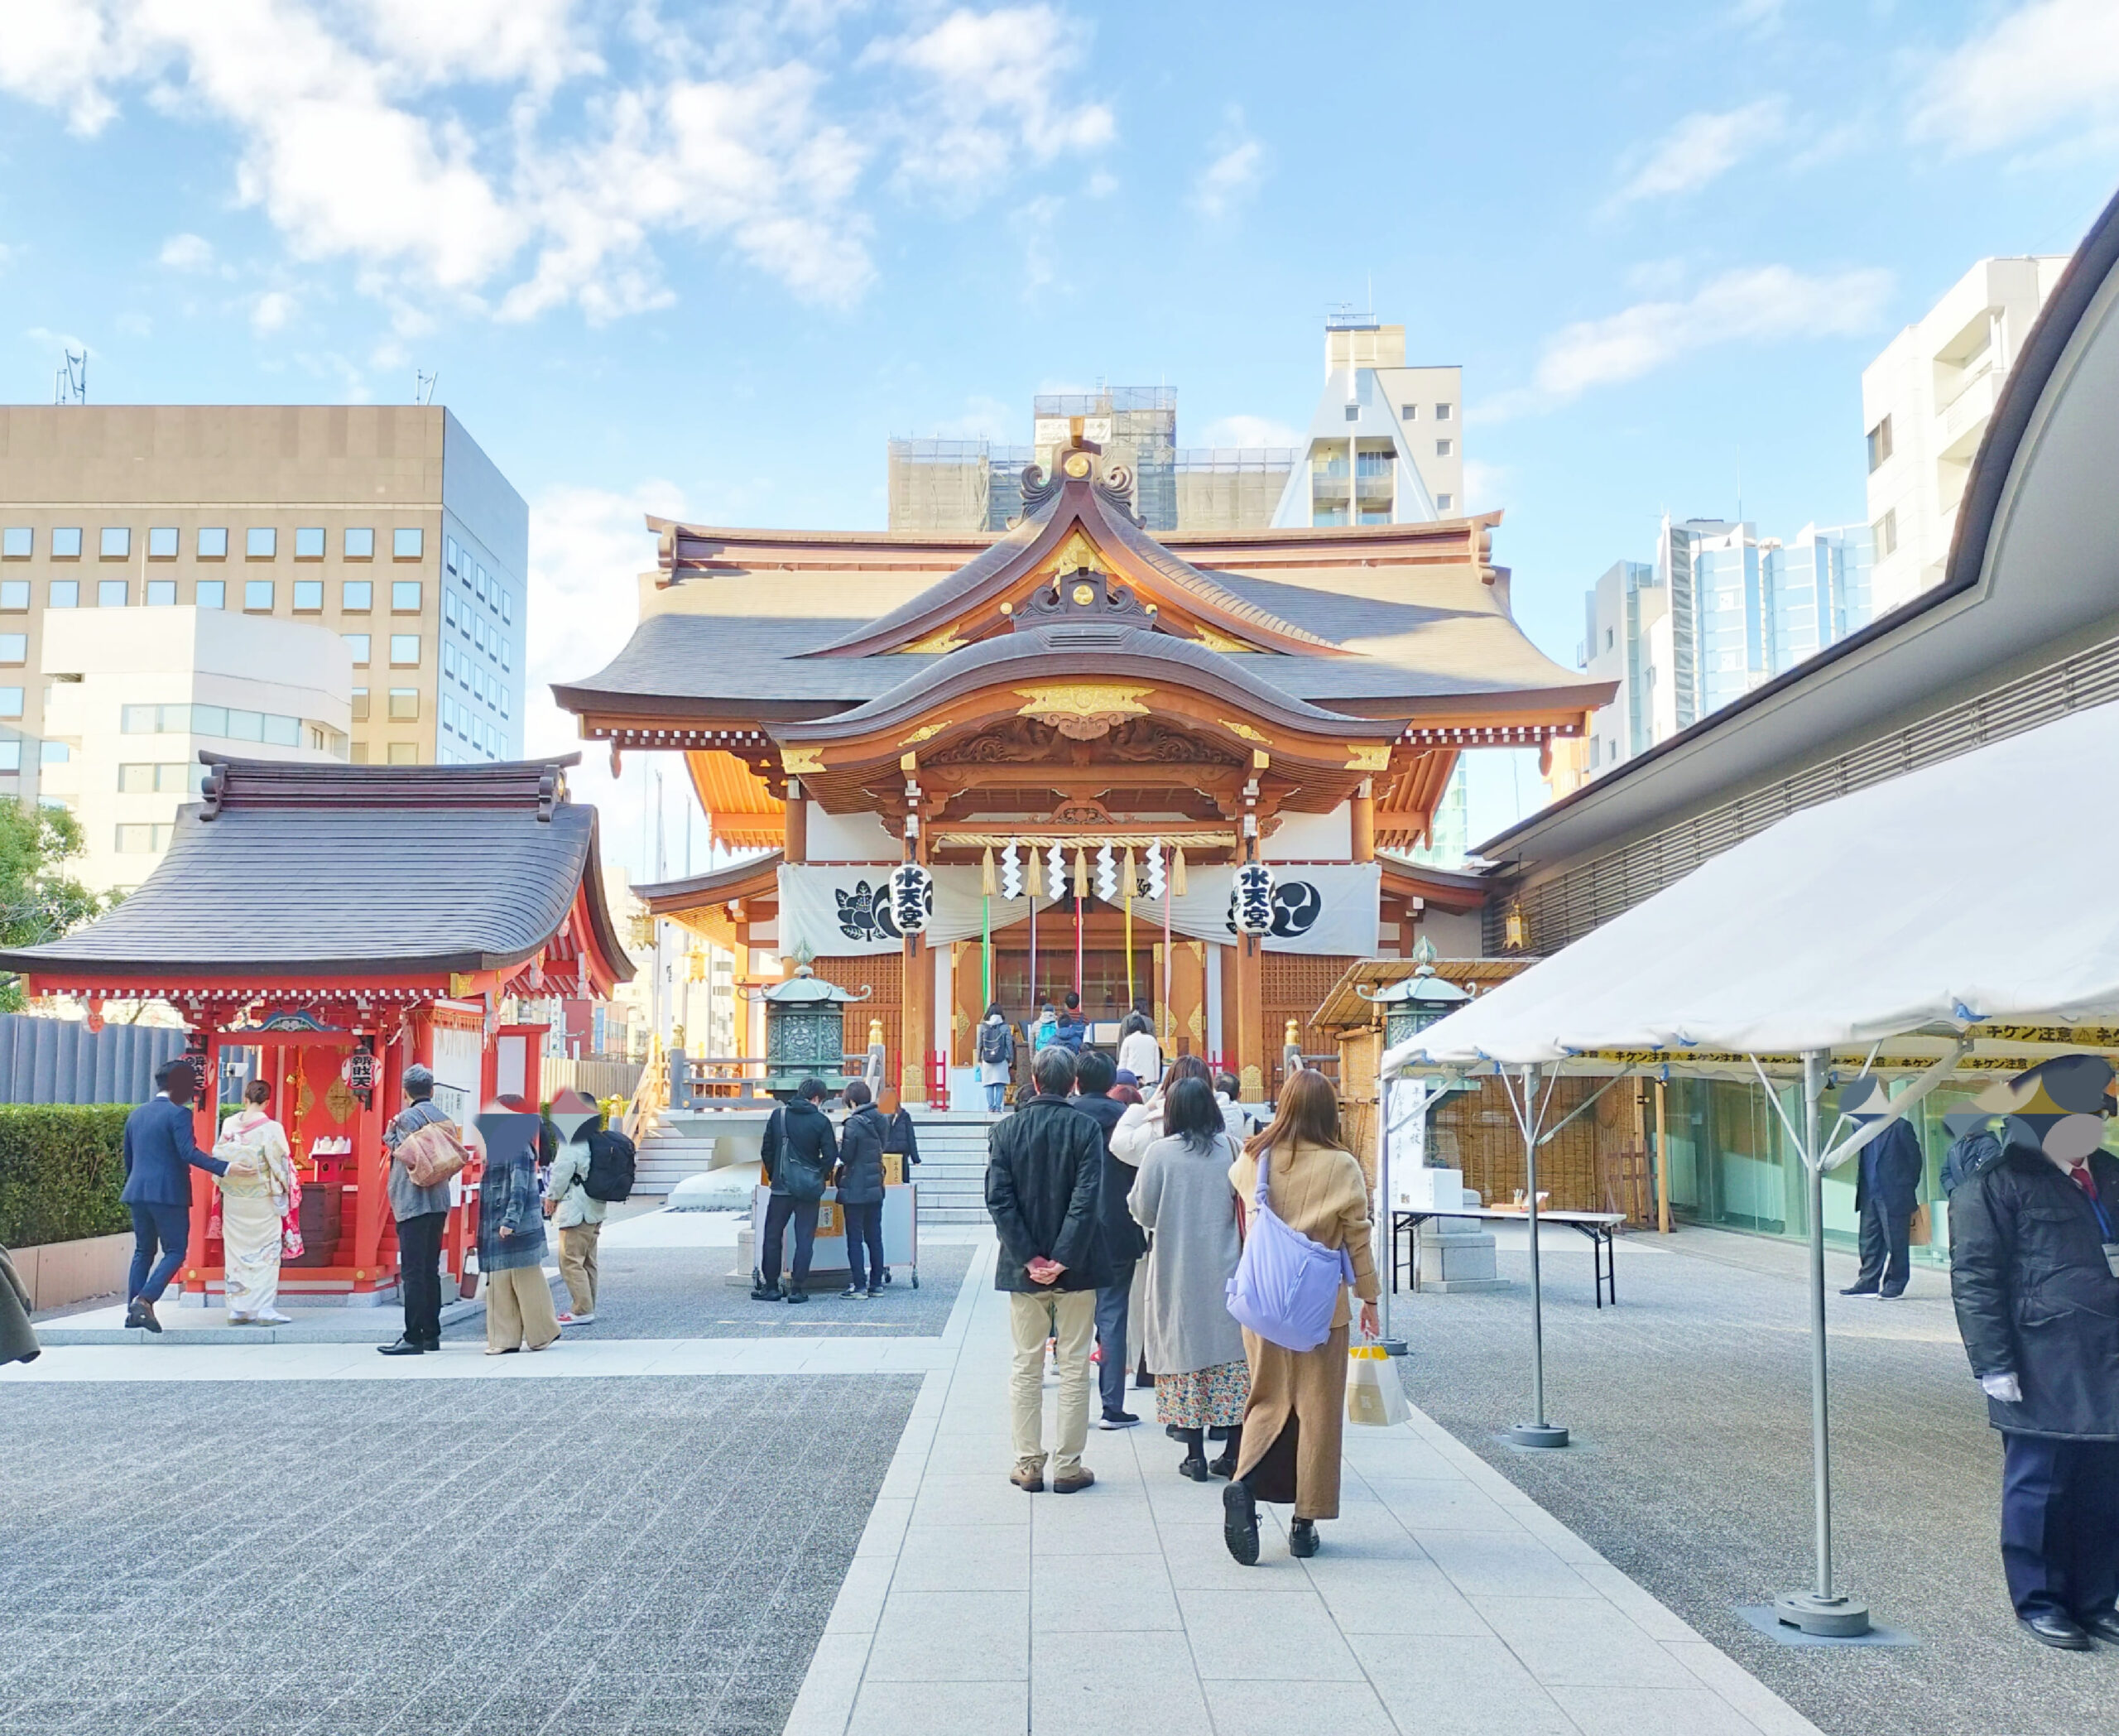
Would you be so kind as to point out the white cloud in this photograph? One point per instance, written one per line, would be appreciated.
(1703, 147)
(1229, 179)
(1758, 304)
(1248, 430)
(271, 312)
(2046, 65)
(187, 252)
(537, 41)
(1483, 484)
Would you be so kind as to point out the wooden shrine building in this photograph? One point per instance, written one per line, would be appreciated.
(344, 921)
(1082, 731)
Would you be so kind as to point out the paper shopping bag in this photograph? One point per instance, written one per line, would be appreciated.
(1374, 1396)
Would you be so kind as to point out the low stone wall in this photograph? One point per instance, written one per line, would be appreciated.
(61, 1273)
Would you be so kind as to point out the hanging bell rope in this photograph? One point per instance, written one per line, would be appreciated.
(1081, 874)
(989, 885)
(1178, 888)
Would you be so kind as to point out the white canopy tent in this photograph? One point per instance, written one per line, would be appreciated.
(1960, 916)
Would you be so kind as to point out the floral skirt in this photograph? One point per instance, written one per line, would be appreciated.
(1206, 1398)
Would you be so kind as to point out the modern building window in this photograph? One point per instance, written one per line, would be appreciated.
(55, 753)
(1444, 503)
(1409, 412)
(405, 597)
(136, 777)
(16, 542)
(309, 542)
(360, 704)
(508, 606)
(257, 596)
(309, 596)
(1443, 412)
(404, 703)
(161, 542)
(1879, 445)
(449, 607)
(210, 594)
(1885, 530)
(478, 634)
(261, 543)
(451, 553)
(360, 543)
(161, 593)
(404, 651)
(213, 543)
(484, 595)
(14, 594)
(64, 594)
(11, 757)
(357, 596)
(66, 543)
(408, 544)
(137, 840)
(11, 702)
(113, 593)
(504, 710)
(357, 643)
(1443, 449)
(1354, 412)
(116, 543)
(404, 753)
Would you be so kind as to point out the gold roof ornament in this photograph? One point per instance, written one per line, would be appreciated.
(1082, 710)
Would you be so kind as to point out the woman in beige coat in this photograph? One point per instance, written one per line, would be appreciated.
(1291, 1426)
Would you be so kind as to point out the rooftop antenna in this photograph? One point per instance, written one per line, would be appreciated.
(423, 385)
(70, 384)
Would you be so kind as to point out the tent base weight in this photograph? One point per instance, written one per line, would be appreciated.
(1392, 1346)
(1837, 1618)
(1537, 1434)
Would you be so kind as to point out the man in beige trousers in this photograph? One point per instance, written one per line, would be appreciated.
(577, 1219)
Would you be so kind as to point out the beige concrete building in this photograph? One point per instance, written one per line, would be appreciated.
(385, 524)
(1386, 441)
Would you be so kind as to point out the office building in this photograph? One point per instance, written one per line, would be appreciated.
(1925, 404)
(1386, 441)
(384, 524)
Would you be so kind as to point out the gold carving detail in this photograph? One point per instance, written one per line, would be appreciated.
(1076, 465)
(1246, 731)
(1220, 642)
(340, 1102)
(1250, 1086)
(937, 644)
(1368, 756)
(925, 733)
(1082, 710)
(800, 761)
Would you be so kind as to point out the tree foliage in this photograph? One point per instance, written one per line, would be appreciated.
(39, 901)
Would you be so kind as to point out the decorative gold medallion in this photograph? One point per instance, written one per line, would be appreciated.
(799, 762)
(1082, 710)
(340, 1102)
(1246, 731)
(1085, 595)
(1077, 464)
(1368, 756)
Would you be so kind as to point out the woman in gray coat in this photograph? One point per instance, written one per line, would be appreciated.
(1194, 1346)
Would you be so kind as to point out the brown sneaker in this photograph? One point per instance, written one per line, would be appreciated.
(1081, 1477)
(1030, 1478)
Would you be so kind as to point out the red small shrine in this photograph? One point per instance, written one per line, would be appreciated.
(345, 921)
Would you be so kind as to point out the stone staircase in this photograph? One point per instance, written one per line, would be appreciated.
(951, 1172)
(666, 1158)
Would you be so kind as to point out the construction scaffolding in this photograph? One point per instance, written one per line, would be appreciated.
(946, 486)
(1220, 488)
(1135, 426)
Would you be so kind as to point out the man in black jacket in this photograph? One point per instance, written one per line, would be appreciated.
(2035, 1274)
(1123, 1239)
(1043, 1187)
(1885, 1194)
(799, 1153)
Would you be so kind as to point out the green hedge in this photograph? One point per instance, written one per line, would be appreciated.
(61, 1167)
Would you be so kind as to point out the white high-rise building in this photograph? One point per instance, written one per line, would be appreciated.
(1925, 402)
(1386, 444)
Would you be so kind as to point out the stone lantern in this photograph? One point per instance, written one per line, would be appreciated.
(1411, 1005)
(805, 1032)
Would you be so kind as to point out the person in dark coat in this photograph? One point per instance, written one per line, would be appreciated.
(1889, 1186)
(860, 1182)
(1043, 1187)
(160, 1155)
(1124, 1239)
(799, 1152)
(1072, 1029)
(2035, 1274)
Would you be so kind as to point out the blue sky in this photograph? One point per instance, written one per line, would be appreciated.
(706, 259)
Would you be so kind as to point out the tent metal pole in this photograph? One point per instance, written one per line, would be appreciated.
(1537, 1432)
(1822, 1610)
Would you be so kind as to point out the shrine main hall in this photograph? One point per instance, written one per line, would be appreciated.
(1084, 735)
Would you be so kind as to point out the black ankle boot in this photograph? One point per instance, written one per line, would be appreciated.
(1302, 1537)
(1224, 1463)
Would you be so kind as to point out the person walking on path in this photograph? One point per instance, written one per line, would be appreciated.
(1139, 1053)
(577, 1220)
(1043, 1187)
(1195, 1348)
(1298, 1404)
(800, 1150)
(860, 1179)
(1123, 1241)
(422, 1213)
(2034, 1277)
(254, 1208)
(1885, 1193)
(160, 1155)
(997, 1057)
(519, 1308)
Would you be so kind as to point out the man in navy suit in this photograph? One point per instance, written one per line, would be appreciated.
(160, 1154)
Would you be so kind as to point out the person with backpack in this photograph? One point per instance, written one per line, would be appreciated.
(997, 1057)
(800, 1150)
(1072, 1029)
(860, 1179)
(1298, 1405)
(592, 1172)
(422, 1213)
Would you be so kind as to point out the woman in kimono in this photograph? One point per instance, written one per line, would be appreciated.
(253, 1207)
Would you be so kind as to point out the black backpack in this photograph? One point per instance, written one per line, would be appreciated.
(610, 1167)
(993, 1042)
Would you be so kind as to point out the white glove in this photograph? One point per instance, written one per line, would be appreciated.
(2006, 1388)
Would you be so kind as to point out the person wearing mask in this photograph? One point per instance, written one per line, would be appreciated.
(799, 1152)
(1298, 1405)
(253, 1208)
(519, 1308)
(1196, 1348)
(860, 1179)
(577, 1219)
(1043, 1183)
(2034, 1277)
(1122, 1238)
(1072, 1029)
(160, 1155)
(422, 1213)
(997, 1057)
(1139, 1053)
